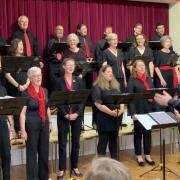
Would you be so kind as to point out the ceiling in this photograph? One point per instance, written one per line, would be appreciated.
(158, 1)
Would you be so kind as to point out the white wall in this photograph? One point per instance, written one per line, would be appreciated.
(174, 25)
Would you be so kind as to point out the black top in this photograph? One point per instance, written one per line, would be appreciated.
(141, 106)
(51, 55)
(131, 39)
(99, 50)
(77, 56)
(2, 41)
(114, 61)
(134, 52)
(105, 122)
(162, 58)
(32, 112)
(60, 85)
(174, 104)
(33, 42)
(157, 37)
(89, 42)
(2, 94)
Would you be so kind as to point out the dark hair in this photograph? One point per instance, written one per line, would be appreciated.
(79, 26)
(138, 24)
(14, 46)
(159, 24)
(146, 40)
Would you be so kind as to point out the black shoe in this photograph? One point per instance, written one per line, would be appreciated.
(60, 176)
(152, 163)
(141, 163)
(76, 173)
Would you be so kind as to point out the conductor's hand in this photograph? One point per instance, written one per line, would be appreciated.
(163, 83)
(162, 99)
(73, 116)
(24, 135)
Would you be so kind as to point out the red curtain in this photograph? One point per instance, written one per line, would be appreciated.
(44, 15)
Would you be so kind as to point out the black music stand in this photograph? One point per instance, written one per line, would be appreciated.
(4, 50)
(11, 106)
(87, 67)
(58, 98)
(155, 45)
(59, 47)
(161, 121)
(13, 64)
(124, 46)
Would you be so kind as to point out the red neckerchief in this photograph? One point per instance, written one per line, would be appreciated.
(40, 97)
(143, 79)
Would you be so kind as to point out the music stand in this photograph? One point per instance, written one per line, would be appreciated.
(11, 105)
(4, 50)
(13, 64)
(58, 98)
(124, 46)
(155, 45)
(86, 67)
(59, 47)
(160, 120)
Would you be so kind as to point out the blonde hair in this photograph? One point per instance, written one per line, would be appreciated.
(134, 73)
(111, 36)
(107, 169)
(72, 35)
(103, 83)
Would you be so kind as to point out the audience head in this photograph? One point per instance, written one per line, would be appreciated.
(35, 76)
(59, 31)
(72, 40)
(138, 68)
(107, 30)
(106, 79)
(23, 22)
(16, 48)
(138, 28)
(112, 39)
(160, 29)
(82, 29)
(141, 40)
(68, 65)
(107, 169)
(166, 41)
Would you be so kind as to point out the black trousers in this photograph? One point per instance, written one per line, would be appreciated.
(108, 138)
(139, 132)
(5, 154)
(37, 151)
(63, 129)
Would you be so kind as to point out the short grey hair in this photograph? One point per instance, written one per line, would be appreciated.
(33, 71)
(107, 169)
(72, 35)
(164, 39)
(111, 36)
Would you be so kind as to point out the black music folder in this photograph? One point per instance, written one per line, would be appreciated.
(13, 64)
(155, 45)
(4, 50)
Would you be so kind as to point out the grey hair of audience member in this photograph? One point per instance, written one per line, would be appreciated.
(33, 71)
(107, 169)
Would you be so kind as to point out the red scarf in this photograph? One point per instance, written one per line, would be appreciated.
(69, 88)
(88, 54)
(143, 79)
(28, 45)
(41, 100)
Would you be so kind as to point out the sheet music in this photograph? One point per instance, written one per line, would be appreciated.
(145, 120)
(162, 117)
